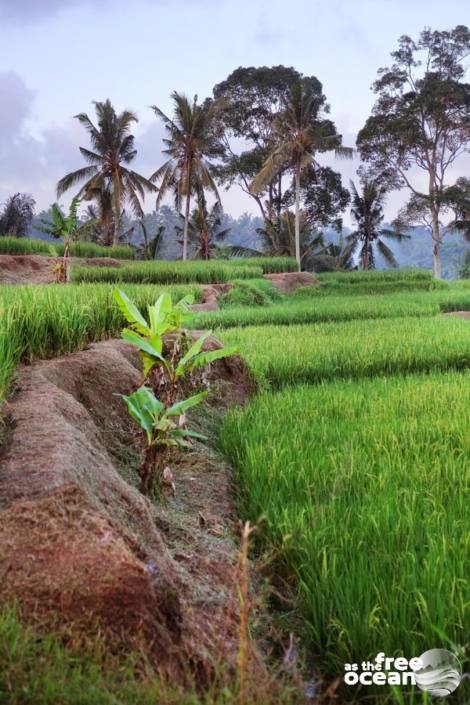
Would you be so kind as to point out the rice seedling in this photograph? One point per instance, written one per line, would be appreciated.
(164, 272)
(269, 265)
(377, 275)
(313, 353)
(92, 250)
(338, 288)
(250, 292)
(10, 245)
(30, 246)
(318, 309)
(363, 486)
(40, 322)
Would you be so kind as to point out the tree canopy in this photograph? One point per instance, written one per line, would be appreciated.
(421, 119)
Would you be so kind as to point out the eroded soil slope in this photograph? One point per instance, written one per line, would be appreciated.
(39, 269)
(82, 549)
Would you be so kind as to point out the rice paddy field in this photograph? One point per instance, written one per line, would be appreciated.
(353, 457)
(29, 246)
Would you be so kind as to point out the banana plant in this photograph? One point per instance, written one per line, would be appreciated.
(165, 427)
(164, 318)
(158, 421)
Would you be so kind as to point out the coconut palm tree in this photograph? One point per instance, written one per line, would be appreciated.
(107, 172)
(205, 231)
(367, 211)
(300, 133)
(17, 215)
(278, 236)
(191, 143)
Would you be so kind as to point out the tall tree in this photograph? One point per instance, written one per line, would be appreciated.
(368, 213)
(107, 174)
(421, 119)
(206, 232)
(192, 141)
(17, 215)
(301, 131)
(250, 100)
(279, 238)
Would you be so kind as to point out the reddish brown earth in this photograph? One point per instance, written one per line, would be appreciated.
(210, 297)
(290, 281)
(82, 550)
(38, 269)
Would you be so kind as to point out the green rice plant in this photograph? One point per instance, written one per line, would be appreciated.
(363, 487)
(10, 245)
(319, 310)
(164, 272)
(335, 288)
(41, 322)
(250, 292)
(376, 275)
(294, 309)
(269, 265)
(92, 250)
(313, 353)
(30, 246)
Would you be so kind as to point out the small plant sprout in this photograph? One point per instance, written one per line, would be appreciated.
(184, 356)
(170, 358)
(164, 428)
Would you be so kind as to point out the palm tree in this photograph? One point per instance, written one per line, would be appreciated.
(190, 143)
(278, 236)
(205, 229)
(107, 174)
(300, 133)
(17, 215)
(367, 211)
(152, 243)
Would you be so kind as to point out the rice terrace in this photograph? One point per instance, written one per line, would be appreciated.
(234, 381)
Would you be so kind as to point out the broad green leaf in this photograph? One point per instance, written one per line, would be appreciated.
(192, 352)
(139, 413)
(205, 358)
(142, 343)
(158, 314)
(130, 312)
(191, 434)
(181, 406)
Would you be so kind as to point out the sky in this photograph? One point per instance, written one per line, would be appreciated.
(58, 56)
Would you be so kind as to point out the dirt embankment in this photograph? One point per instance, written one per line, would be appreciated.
(39, 269)
(82, 550)
(459, 314)
(290, 281)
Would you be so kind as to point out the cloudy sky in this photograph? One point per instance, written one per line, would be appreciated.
(57, 56)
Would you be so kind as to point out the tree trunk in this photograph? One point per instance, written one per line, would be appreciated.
(186, 226)
(365, 258)
(186, 213)
(297, 216)
(117, 208)
(436, 243)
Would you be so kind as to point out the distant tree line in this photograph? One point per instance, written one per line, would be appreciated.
(263, 130)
